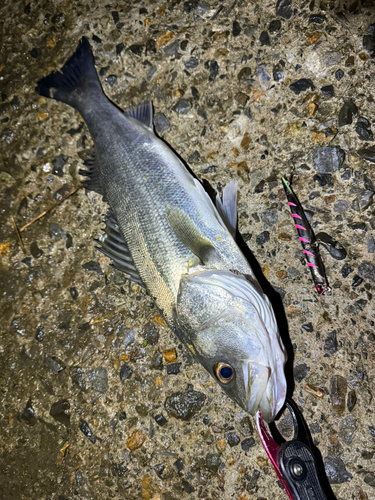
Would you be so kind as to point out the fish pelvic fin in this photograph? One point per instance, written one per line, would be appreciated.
(113, 245)
(142, 113)
(76, 79)
(189, 234)
(227, 207)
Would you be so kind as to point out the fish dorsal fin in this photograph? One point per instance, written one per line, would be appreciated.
(188, 233)
(113, 245)
(142, 113)
(93, 182)
(227, 207)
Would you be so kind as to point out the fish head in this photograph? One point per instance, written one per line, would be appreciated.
(229, 325)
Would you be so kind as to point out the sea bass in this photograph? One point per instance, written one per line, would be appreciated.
(164, 232)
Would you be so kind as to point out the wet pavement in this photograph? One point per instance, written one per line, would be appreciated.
(98, 398)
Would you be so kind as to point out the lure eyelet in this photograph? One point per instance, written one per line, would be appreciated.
(224, 372)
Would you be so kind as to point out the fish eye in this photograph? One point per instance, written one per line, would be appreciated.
(224, 372)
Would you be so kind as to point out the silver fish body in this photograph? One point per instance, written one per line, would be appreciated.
(178, 243)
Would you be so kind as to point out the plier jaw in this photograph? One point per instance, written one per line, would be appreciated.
(293, 460)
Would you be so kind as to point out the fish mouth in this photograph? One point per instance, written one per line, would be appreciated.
(256, 379)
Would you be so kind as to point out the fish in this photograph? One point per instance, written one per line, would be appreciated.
(308, 241)
(164, 232)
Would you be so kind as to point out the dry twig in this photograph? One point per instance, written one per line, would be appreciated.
(50, 208)
(18, 235)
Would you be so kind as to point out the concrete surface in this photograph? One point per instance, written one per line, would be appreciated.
(92, 406)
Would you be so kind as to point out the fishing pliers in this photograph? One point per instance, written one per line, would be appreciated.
(293, 460)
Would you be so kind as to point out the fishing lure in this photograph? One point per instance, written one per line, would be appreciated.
(308, 241)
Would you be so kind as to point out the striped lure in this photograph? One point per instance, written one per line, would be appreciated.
(308, 241)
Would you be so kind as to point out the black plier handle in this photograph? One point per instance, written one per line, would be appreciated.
(293, 460)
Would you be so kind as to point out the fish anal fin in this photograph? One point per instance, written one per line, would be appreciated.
(113, 245)
(142, 113)
(93, 182)
(227, 207)
(188, 233)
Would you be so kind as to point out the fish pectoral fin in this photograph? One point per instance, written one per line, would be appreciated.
(188, 233)
(93, 182)
(113, 245)
(142, 113)
(227, 207)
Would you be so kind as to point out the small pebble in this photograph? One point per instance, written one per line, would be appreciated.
(371, 245)
(367, 153)
(346, 113)
(99, 379)
(170, 355)
(328, 159)
(85, 428)
(339, 74)
(136, 49)
(262, 238)
(300, 371)
(214, 70)
(247, 444)
(330, 344)
(331, 58)
(301, 85)
(323, 179)
(58, 165)
(125, 372)
(182, 107)
(184, 405)
(35, 251)
(171, 50)
(368, 40)
(328, 91)
(352, 400)
(96, 40)
(173, 368)
(78, 378)
(363, 129)
(236, 28)
(93, 265)
(367, 271)
(54, 364)
(160, 420)
(59, 411)
(278, 73)
(338, 388)
(317, 19)
(157, 361)
(191, 63)
(357, 280)
(274, 26)
(232, 439)
(284, 8)
(335, 470)
(29, 415)
(150, 333)
(190, 5)
(39, 336)
(136, 440)
(264, 39)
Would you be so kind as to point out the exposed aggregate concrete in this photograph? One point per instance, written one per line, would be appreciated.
(98, 399)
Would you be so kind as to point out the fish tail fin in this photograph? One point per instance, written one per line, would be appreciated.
(76, 78)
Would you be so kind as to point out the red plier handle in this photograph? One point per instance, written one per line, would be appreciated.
(293, 460)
